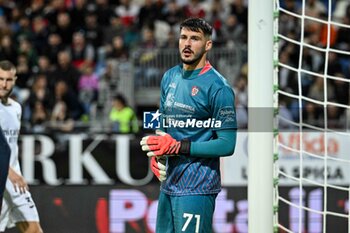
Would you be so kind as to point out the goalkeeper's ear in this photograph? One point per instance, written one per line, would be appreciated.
(208, 45)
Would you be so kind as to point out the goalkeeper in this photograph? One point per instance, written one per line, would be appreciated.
(186, 157)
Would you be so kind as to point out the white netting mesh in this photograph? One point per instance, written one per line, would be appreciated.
(312, 140)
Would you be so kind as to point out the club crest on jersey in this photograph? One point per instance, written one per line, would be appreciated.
(194, 91)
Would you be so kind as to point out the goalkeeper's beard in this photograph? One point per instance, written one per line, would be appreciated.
(195, 60)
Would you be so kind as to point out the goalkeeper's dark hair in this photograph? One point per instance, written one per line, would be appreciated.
(197, 25)
(7, 65)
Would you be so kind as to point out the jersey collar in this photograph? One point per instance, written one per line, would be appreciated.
(206, 68)
(190, 74)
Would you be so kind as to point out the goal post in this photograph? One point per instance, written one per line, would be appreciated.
(312, 194)
(260, 116)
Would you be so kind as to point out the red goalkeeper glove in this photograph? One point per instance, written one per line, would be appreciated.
(158, 167)
(164, 144)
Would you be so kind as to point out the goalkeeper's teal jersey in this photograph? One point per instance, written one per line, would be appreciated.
(194, 105)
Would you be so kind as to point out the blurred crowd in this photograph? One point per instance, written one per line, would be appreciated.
(61, 50)
(325, 63)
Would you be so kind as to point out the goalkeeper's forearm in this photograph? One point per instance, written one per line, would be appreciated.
(224, 145)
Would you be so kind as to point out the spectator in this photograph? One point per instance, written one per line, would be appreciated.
(60, 120)
(88, 88)
(78, 13)
(118, 50)
(233, 32)
(147, 14)
(122, 116)
(40, 92)
(241, 114)
(26, 48)
(53, 9)
(285, 115)
(5, 12)
(44, 66)
(241, 91)
(14, 20)
(128, 12)
(317, 90)
(7, 49)
(39, 117)
(288, 80)
(104, 12)
(148, 39)
(116, 28)
(146, 71)
(336, 118)
(24, 30)
(342, 88)
(81, 52)
(39, 103)
(64, 28)
(340, 10)
(343, 37)
(92, 30)
(287, 22)
(21, 90)
(240, 10)
(67, 101)
(3, 24)
(159, 5)
(35, 9)
(53, 47)
(65, 71)
(194, 9)
(324, 40)
(312, 114)
(132, 36)
(314, 8)
(173, 13)
(107, 83)
(40, 34)
(334, 65)
(217, 10)
(172, 41)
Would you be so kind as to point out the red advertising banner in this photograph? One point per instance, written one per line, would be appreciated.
(125, 209)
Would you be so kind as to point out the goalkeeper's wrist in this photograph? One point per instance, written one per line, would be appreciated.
(185, 147)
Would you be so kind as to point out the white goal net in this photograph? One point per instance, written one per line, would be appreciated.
(312, 138)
